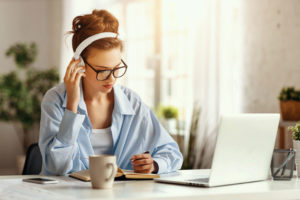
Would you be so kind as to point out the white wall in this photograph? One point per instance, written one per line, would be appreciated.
(26, 21)
(271, 52)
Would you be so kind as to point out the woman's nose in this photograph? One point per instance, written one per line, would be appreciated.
(111, 77)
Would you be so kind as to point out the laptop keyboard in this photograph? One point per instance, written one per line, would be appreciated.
(202, 180)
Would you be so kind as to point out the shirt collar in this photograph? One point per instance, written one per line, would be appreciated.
(122, 104)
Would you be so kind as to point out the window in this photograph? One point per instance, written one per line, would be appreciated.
(158, 45)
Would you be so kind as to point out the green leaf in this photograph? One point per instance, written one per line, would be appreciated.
(23, 54)
(20, 100)
(168, 112)
(295, 131)
(289, 93)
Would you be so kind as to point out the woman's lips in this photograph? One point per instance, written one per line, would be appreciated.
(108, 86)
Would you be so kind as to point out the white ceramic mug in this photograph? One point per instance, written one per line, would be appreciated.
(102, 169)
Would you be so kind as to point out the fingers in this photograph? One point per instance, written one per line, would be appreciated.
(71, 66)
(75, 72)
(78, 76)
(140, 156)
(142, 162)
(142, 167)
(72, 71)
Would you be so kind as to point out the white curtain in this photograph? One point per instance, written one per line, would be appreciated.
(217, 72)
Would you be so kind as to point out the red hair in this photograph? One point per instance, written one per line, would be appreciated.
(87, 25)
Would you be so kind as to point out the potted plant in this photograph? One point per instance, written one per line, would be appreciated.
(290, 104)
(169, 115)
(22, 90)
(296, 144)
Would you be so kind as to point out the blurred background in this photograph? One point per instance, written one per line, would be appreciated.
(189, 60)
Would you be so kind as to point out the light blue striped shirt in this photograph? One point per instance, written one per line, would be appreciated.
(65, 136)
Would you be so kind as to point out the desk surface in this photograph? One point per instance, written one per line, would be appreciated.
(12, 187)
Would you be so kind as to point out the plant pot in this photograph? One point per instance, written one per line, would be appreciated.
(290, 110)
(172, 125)
(296, 145)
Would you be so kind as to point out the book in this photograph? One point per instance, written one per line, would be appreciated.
(121, 174)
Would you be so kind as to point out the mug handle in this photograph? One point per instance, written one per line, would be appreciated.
(112, 172)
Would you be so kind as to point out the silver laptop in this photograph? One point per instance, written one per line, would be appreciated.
(243, 152)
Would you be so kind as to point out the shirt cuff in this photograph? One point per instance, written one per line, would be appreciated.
(162, 165)
(70, 127)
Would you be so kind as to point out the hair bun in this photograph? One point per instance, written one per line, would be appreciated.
(101, 13)
(105, 17)
(98, 21)
(77, 24)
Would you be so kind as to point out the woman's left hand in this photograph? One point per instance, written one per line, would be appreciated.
(143, 163)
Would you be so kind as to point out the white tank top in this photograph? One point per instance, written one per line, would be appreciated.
(101, 140)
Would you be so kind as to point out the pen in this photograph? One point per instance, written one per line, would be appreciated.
(283, 165)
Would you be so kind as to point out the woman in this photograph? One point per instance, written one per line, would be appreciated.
(88, 114)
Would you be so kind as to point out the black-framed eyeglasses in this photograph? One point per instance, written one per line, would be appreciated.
(102, 75)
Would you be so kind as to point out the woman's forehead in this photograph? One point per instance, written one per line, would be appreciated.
(106, 58)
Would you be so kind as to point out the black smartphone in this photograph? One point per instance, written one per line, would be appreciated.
(40, 180)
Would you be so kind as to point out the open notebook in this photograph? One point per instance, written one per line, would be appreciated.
(84, 175)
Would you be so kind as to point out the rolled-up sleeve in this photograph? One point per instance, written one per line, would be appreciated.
(59, 129)
(69, 127)
(166, 152)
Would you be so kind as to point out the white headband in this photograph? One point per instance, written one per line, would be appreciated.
(91, 39)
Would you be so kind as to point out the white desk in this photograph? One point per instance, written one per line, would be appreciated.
(12, 187)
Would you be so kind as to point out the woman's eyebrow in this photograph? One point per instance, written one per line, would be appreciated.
(108, 67)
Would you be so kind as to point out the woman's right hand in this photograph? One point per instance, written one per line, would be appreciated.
(72, 81)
